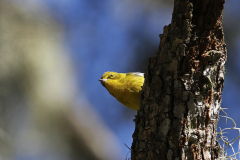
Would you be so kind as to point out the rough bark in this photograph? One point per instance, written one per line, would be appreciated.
(181, 95)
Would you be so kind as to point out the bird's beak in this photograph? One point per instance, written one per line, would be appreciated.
(103, 81)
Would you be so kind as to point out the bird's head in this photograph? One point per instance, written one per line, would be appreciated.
(109, 76)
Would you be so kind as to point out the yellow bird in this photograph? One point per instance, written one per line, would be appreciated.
(125, 87)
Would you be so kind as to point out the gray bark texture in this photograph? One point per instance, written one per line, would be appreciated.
(182, 93)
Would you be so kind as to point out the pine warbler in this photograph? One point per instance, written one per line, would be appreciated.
(125, 87)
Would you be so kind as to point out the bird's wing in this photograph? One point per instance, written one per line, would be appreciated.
(139, 74)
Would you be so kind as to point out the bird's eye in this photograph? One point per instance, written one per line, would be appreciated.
(110, 76)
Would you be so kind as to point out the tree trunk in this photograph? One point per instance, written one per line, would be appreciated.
(181, 95)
